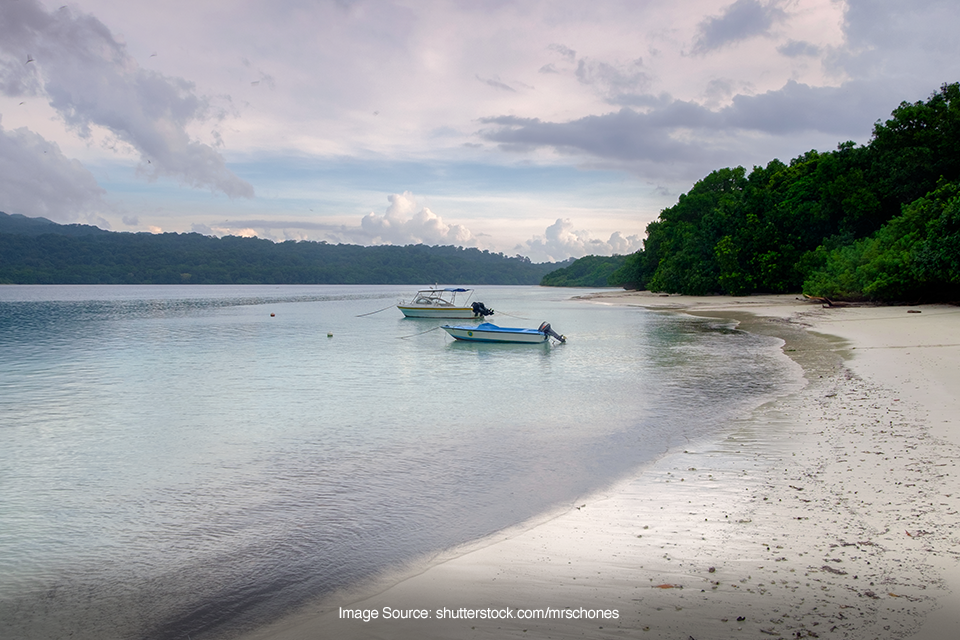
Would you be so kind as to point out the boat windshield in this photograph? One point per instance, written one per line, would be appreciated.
(438, 297)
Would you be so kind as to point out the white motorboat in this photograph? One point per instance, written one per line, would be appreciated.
(442, 303)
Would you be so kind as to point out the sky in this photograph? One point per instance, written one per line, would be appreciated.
(548, 129)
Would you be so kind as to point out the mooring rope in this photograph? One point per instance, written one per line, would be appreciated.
(419, 334)
(373, 312)
(501, 313)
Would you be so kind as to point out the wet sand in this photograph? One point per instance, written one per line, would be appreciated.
(833, 512)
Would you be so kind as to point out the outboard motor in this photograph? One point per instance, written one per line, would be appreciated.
(547, 331)
(479, 309)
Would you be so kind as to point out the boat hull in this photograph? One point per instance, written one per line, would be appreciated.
(486, 332)
(451, 313)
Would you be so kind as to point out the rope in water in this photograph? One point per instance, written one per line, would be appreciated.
(419, 334)
(373, 312)
(501, 313)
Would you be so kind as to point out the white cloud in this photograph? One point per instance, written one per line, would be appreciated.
(402, 224)
(90, 79)
(560, 241)
(36, 179)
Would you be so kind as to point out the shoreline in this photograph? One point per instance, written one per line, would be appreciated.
(830, 512)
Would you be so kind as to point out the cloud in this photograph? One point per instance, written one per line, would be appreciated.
(92, 81)
(496, 84)
(560, 241)
(907, 43)
(741, 20)
(624, 136)
(565, 52)
(36, 179)
(798, 48)
(687, 134)
(798, 108)
(618, 82)
(401, 226)
(269, 225)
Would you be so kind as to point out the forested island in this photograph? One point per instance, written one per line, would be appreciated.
(38, 251)
(589, 271)
(879, 221)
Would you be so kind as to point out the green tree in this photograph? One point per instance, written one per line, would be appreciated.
(918, 146)
(914, 257)
(589, 271)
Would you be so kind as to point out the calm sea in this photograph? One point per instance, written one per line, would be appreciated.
(185, 462)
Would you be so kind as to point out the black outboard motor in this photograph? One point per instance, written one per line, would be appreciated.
(547, 331)
(479, 309)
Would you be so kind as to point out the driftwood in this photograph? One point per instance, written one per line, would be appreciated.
(826, 302)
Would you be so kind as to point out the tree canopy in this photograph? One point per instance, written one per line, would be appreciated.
(591, 271)
(870, 222)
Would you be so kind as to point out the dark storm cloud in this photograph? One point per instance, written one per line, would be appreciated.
(741, 20)
(90, 79)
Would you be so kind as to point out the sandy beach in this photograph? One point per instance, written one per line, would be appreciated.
(832, 512)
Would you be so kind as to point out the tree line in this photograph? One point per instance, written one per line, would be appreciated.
(879, 221)
(589, 271)
(37, 251)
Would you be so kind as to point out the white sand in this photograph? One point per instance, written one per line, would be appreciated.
(833, 512)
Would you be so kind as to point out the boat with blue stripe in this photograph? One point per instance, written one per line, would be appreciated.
(488, 332)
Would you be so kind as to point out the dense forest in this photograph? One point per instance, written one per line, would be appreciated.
(879, 221)
(38, 251)
(589, 271)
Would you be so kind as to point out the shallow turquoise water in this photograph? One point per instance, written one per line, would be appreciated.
(188, 461)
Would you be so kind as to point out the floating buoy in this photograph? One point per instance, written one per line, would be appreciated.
(272, 315)
(329, 334)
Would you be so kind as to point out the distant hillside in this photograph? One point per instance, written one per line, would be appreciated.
(39, 251)
(589, 271)
(20, 224)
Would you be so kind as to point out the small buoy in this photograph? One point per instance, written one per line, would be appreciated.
(329, 334)
(272, 315)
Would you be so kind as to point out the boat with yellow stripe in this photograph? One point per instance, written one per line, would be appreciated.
(442, 303)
